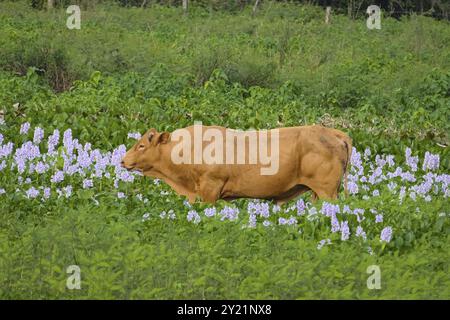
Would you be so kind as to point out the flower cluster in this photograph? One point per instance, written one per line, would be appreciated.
(60, 166)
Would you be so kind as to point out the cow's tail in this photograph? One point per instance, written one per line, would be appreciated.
(348, 144)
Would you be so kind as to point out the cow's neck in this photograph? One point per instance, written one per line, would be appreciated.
(176, 176)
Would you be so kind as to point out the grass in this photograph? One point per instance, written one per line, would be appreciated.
(155, 68)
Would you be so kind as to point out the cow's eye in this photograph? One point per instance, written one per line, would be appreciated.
(141, 146)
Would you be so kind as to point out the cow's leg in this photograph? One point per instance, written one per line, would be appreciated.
(292, 194)
(209, 189)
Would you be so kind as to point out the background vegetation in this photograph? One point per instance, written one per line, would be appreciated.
(129, 69)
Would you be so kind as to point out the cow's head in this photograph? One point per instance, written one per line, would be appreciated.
(146, 152)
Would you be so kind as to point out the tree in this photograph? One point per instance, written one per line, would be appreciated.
(255, 7)
(185, 6)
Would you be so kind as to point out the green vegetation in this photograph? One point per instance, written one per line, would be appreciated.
(129, 69)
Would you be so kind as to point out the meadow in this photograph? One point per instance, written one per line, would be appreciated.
(72, 102)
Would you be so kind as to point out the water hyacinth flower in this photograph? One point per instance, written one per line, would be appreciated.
(24, 128)
(323, 242)
(210, 212)
(378, 218)
(391, 186)
(193, 216)
(38, 135)
(187, 204)
(32, 193)
(229, 213)
(58, 176)
(291, 221)
(121, 195)
(352, 188)
(276, 208)
(53, 141)
(335, 225)
(134, 135)
(300, 204)
(252, 220)
(267, 223)
(345, 231)
(46, 193)
(361, 233)
(329, 209)
(68, 191)
(367, 153)
(411, 161)
(87, 183)
(258, 208)
(386, 234)
(430, 162)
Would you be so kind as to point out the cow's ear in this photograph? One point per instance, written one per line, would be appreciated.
(151, 134)
(164, 137)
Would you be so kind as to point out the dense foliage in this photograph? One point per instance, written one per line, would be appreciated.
(69, 102)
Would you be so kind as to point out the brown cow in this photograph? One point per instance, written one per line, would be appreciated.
(304, 158)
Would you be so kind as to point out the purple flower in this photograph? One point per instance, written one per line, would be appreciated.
(300, 204)
(121, 195)
(68, 191)
(411, 161)
(193, 216)
(367, 153)
(47, 193)
(329, 209)
(360, 233)
(352, 187)
(229, 213)
(2, 191)
(386, 234)
(378, 218)
(335, 225)
(266, 223)
(291, 221)
(259, 208)
(53, 141)
(32, 193)
(323, 242)
(24, 128)
(134, 135)
(38, 135)
(430, 162)
(252, 221)
(345, 231)
(391, 186)
(210, 212)
(87, 183)
(58, 176)
(68, 142)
